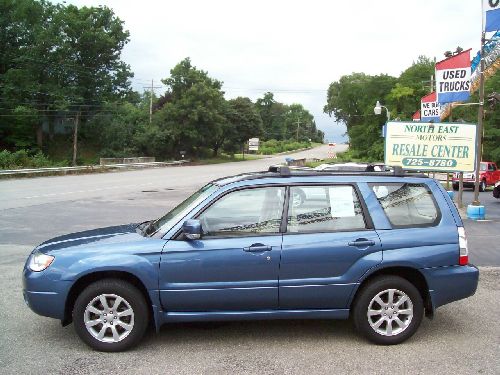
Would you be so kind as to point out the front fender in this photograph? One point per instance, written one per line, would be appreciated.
(145, 268)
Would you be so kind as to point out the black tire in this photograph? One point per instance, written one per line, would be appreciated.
(455, 187)
(496, 192)
(131, 295)
(482, 185)
(369, 292)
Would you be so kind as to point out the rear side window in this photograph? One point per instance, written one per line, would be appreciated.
(324, 209)
(407, 205)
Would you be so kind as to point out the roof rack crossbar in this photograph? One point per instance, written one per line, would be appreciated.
(398, 171)
(283, 170)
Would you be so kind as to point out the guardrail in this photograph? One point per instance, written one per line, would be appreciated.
(132, 160)
(89, 168)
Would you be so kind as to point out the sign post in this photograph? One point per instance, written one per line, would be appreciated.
(253, 144)
(442, 147)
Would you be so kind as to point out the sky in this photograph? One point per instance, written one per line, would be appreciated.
(292, 48)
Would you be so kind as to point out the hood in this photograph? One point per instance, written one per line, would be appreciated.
(100, 236)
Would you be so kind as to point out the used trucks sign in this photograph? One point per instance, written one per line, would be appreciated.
(447, 147)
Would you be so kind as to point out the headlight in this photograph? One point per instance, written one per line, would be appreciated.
(39, 261)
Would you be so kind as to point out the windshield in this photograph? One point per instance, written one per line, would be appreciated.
(175, 215)
(483, 166)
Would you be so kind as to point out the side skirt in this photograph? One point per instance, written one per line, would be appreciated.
(205, 316)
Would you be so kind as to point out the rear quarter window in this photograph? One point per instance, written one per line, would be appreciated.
(407, 205)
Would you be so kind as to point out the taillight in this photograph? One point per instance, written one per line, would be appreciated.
(463, 259)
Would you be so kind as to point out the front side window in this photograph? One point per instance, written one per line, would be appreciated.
(407, 205)
(324, 209)
(164, 223)
(245, 212)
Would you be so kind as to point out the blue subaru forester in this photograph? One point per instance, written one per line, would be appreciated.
(383, 247)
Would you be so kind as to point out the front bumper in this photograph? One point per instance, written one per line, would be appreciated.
(467, 182)
(449, 284)
(43, 295)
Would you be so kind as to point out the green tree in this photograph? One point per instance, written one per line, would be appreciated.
(194, 115)
(417, 78)
(243, 122)
(29, 34)
(351, 101)
(272, 114)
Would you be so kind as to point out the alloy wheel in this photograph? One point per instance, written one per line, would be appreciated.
(109, 318)
(390, 312)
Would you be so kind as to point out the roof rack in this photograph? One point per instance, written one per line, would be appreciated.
(285, 171)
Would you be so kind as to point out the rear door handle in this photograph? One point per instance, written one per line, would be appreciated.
(257, 248)
(361, 242)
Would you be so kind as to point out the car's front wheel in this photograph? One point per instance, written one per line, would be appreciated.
(110, 315)
(388, 310)
(482, 185)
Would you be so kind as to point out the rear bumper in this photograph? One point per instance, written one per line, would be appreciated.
(449, 284)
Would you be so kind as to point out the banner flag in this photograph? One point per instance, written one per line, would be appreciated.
(453, 78)
(430, 109)
(491, 15)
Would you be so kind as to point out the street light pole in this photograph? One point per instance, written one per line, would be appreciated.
(378, 110)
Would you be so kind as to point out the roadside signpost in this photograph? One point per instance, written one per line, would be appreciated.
(441, 147)
(253, 144)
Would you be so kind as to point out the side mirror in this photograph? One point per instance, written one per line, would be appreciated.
(192, 229)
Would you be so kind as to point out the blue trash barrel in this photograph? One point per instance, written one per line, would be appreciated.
(476, 212)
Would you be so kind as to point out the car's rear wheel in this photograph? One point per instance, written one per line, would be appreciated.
(388, 310)
(482, 185)
(110, 315)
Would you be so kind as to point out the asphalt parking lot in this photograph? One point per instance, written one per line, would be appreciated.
(463, 338)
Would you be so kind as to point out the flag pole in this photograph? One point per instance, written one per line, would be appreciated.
(480, 114)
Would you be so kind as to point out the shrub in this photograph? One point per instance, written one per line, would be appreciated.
(23, 159)
(273, 146)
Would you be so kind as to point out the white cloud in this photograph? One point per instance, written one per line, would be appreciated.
(291, 45)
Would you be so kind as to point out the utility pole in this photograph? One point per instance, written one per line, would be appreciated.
(298, 127)
(151, 103)
(75, 137)
(151, 90)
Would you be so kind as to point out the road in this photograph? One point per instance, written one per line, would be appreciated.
(35, 209)
(463, 337)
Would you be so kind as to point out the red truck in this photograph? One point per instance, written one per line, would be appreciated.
(489, 175)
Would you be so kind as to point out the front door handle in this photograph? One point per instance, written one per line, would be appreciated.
(257, 248)
(361, 242)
